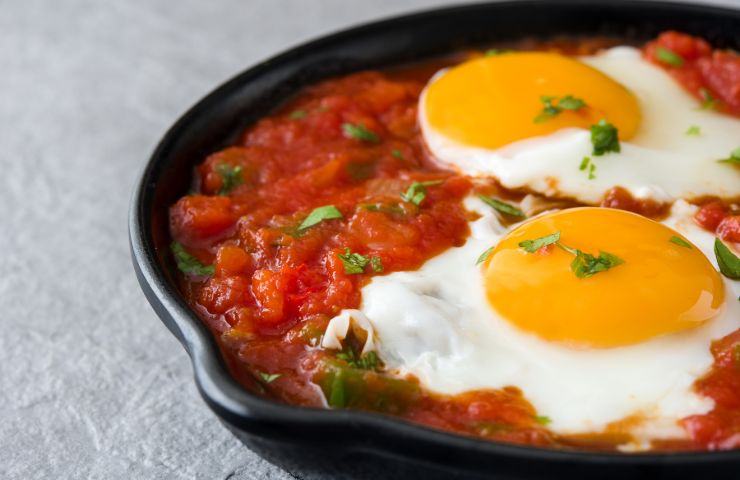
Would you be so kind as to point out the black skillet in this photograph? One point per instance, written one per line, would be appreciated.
(348, 444)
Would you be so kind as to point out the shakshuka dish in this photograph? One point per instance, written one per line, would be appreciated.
(536, 244)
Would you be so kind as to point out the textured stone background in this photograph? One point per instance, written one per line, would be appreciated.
(91, 384)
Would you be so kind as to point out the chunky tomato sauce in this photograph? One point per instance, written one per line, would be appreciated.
(267, 285)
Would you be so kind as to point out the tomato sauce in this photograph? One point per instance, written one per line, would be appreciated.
(266, 284)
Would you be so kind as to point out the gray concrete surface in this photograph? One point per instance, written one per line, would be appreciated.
(91, 384)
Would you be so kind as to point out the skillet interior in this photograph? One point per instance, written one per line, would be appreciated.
(310, 441)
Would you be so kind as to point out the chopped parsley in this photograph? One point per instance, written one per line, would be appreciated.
(368, 361)
(584, 265)
(359, 132)
(668, 57)
(417, 191)
(531, 246)
(188, 263)
(679, 241)
(397, 153)
(269, 377)
(492, 52)
(729, 263)
(586, 164)
(318, 215)
(693, 131)
(231, 177)
(604, 138)
(484, 256)
(376, 264)
(734, 157)
(550, 109)
(542, 420)
(354, 263)
(298, 114)
(708, 102)
(502, 207)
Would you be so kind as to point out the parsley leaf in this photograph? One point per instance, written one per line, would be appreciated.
(354, 263)
(550, 110)
(586, 265)
(679, 241)
(397, 153)
(231, 177)
(484, 256)
(359, 132)
(269, 377)
(417, 191)
(188, 263)
(734, 157)
(584, 163)
(708, 102)
(668, 57)
(319, 214)
(368, 361)
(591, 170)
(693, 131)
(502, 207)
(376, 264)
(492, 52)
(587, 164)
(298, 114)
(532, 246)
(604, 138)
(729, 263)
(542, 419)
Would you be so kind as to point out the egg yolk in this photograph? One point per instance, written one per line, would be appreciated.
(661, 287)
(492, 101)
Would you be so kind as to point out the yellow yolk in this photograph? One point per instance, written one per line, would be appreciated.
(492, 101)
(661, 287)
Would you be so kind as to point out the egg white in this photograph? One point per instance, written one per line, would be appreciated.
(437, 324)
(660, 162)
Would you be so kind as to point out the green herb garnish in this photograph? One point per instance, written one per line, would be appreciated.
(693, 131)
(729, 263)
(354, 263)
(734, 157)
(318, 215)
(397, 153)
(542, 420)
(668, 57)
(368, 361)
(231, 177)
(502, 207)
(298, 114)
(587, 164)
(417, 191)
(269, 377)
(532, 246)
(550, 109)
(492, 52)
(604, 138)
(708, 102)
(359, 132)
(188, 263)
(679, 241)
(337, 397)
(584, 265)
(484, 256)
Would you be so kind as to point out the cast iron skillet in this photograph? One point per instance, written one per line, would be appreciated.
(312, 442)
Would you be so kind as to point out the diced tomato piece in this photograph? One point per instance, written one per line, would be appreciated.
(710, 215)
(729, 229)
(232, 260)
(197, 218)
(223, 293)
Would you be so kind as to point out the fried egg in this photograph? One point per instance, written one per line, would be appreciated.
(589, 353)
(479, 118)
